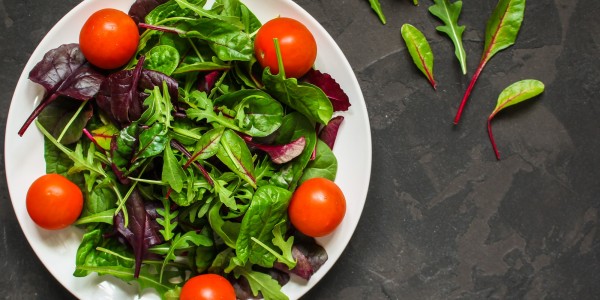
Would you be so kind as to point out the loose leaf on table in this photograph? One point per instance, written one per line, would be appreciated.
(419, 50)
(501, 32)
(449, 14)
(513, 94)
(376, 6)
(63, 71)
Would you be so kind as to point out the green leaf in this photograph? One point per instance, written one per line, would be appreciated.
(501, 32)
(515, 93)
(449, 14)
(208, 145)
(324, 165)
(168, 220)
(181, 242)
(503, 26)
(228, 231)
(65, 115)
(267, 208)
(106, 216)
(234, 153)
(376, 6)
(285, 245)
(419, 50)
(162, 58)
(261, 282)
(172, 171)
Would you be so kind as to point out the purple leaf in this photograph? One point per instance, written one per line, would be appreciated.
(142, 231)
(332, 89)
(141, 8)
(309, 257)
(207, 81)
(121, 94)
(281, 154)
(329, 132)
(63, 71)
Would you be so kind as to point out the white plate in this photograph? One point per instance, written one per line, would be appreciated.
(25, 160)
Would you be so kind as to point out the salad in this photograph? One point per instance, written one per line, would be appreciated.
(188, 156)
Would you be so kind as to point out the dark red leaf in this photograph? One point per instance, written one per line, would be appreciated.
(339, 99)
(329, 132)
(140, 8)
(281, 154)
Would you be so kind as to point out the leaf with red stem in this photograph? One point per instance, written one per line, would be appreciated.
(501, 32)
(63, 71)
(419, 50)
(513, 94)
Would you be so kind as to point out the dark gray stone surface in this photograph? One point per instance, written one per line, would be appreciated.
(443, 218)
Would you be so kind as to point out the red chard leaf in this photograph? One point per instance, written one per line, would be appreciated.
(339, 99)
(63, 72)
(281, 154)
(329, 133)
(207, 81)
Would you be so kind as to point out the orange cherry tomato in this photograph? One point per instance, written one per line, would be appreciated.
(54, 202)
(109, 38)
(207, 287)
(317, 207)
(297, 45)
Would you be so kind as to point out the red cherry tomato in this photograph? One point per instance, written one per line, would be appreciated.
(54, 202)
(317, 207)
(207, 287)
(109, 38)
(297, 45)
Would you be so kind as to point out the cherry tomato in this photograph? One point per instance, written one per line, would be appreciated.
(207, 287)
(297, 45)
(317, 207)
(54, 202)
(109, 38)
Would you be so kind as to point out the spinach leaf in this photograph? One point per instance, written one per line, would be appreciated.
(162, 58)
(257, 114)
(228, 231)
(267, 208)
(324, 165)
(305, 98)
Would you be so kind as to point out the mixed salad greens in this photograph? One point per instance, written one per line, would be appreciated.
(189, 155)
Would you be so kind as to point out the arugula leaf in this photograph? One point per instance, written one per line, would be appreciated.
(324, 165)
(449, 14)
(181, 242)
(261, 282)
(376, 6)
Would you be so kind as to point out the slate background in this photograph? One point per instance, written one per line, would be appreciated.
(443, 218)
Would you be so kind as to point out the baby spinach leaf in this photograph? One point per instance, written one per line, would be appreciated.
(257, 114)
(376, 6)
(419, 50)
(228, 231)
(234, 153)
(172, 172)
(324, 165)
(162, 58)
(154, 11)
(501, 32)
(62, 113)
(513, 94)
(449, 14)
(305, 98)
(141, 8)
(267, 208)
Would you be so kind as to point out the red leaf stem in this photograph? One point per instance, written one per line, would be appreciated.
(175, 144)
(491, 135)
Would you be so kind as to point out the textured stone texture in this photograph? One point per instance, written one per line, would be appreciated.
(443, 218)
